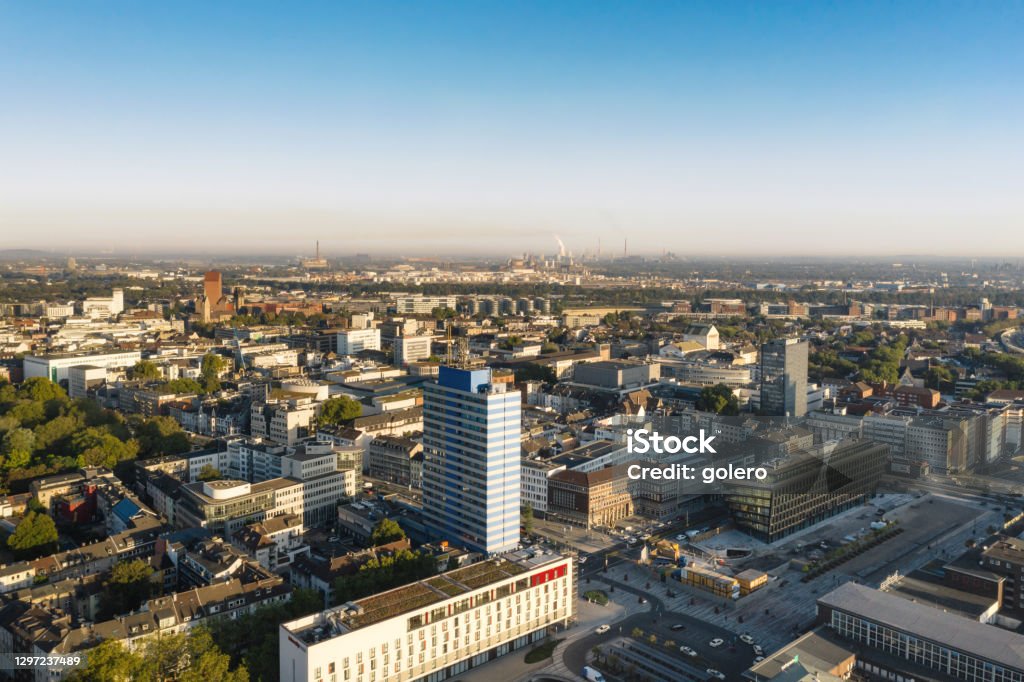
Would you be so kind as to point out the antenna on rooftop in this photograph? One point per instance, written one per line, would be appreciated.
(448, 341)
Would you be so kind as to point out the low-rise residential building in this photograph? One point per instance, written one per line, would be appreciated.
(274, 543)
(391, 458)
(283, 420)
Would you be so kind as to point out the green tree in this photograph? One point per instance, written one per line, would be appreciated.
(16, 448)
(108, 662)
(164, 657)
(183, 385)
(159, 435)
(130, 583)
(57, 432)
(210, 473)
(386, 531)
(96, 446)
(340, 409)
(252, 640)
(144, 370)
(210, 370)
(40, 390)
(718, 399)
(35, 535)
(528, 518)
(207, 663)
(532, 371)
(937, 376)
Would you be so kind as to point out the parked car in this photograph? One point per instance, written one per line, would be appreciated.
(687, 651)
(716, 674)
(747, 639)
(758, 651)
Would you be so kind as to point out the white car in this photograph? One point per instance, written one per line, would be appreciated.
(716, 674)
(716, 642)
(583, 559)
(758, 651)
(687, 650)
(680, 538)
(601, 629)
(758, 659)
(746, 639)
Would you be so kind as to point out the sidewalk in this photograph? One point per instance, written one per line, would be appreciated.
(589, 617)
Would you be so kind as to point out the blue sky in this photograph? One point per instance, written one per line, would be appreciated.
(429, 128)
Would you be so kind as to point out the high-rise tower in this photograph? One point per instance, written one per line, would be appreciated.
(471, 463)
(784, 378)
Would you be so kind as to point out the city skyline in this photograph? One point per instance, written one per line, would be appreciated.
(462, 130)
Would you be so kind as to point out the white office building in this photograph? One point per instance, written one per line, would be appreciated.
(352, 341)
(534, 483)
(55, 366)
(423, 305)
(411, 348)
(97, 307)
(433, 629)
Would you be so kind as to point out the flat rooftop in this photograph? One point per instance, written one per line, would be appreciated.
(818, 650)
(984, 641)
(917, 589)
(414, 596)
(587, 452)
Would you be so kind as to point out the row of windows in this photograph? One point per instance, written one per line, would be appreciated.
(958, 664)
(462, 633)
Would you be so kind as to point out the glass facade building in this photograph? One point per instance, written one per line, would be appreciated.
(806, 488)
(784, 378)
(471, 459)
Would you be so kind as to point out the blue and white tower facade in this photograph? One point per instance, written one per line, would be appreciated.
(471, 459)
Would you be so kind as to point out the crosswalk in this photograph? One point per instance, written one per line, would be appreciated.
(793, 609)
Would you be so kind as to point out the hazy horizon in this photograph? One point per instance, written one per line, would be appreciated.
(415, 129)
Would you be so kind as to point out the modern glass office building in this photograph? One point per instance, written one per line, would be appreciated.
(806, 488)
(471, 459)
